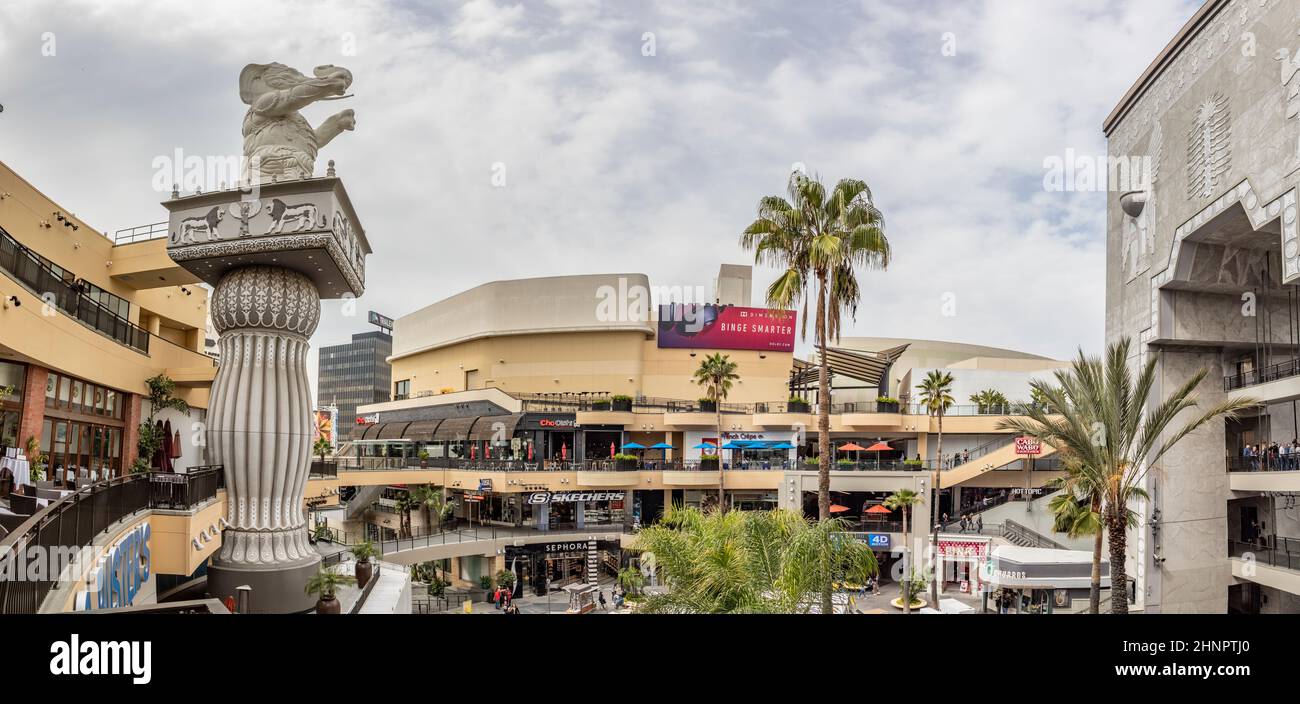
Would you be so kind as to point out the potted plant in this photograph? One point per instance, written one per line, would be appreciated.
(625, 462)
(845, 463)
(886, 404)
(708, 405)
(365, 569)
(485, 583)
(506, 578)
(811, 461)
(622, 403)
(424, 459)
(912, 464)
(797, 405)
(709, 463)
(325, 584)
(322, 532)
(600, 405)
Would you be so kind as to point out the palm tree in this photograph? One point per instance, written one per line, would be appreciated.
(904, 500)
(1104, 425)
(991, 401)
(936, 398)
(750, 561)
(1077, 513)
(819, 238)
(716, 374)
(430, 500)
(406, 502)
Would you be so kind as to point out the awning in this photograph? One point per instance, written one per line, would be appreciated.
(861, 365)
(495, 427)
(423, 430)
(393, 431)
(368, 432)
(454, 429)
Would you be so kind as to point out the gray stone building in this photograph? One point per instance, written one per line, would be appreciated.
(1202, 267)
(355, 374)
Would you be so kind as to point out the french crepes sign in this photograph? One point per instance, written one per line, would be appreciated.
(1028, 446)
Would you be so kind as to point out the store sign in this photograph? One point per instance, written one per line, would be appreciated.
(121, 573)
(1028, 446)
(689, 326)
(572, 497)
(566, 547)
(485, 485)
(557, 423)
(368, 420)
(878, 541)
(382, 321)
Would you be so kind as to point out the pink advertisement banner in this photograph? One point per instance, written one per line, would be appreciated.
(725, 328)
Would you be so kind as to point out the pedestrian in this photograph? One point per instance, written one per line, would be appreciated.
(496, 598)
(601, 593)
(979, 524)
(875, 585)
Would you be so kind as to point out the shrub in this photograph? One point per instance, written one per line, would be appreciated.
(621, 397)
(486, 581)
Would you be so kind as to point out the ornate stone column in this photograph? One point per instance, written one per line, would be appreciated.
(260, 429)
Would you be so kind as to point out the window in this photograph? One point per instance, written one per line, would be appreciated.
(402, 389)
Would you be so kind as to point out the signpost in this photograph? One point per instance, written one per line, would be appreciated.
(1029, 447)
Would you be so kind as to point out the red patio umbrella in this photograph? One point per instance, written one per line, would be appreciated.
(611, 450)
(836, 508)
(167, 447)
(879, 447)
(854, 448)
(878, 509)
(564, 452)
(530, 452)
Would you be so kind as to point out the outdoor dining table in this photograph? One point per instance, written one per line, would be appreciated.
(20, 468)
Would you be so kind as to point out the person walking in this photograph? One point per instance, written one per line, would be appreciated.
(979, 524)
(600, 593)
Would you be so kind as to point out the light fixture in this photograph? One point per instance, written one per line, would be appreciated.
(13, 300)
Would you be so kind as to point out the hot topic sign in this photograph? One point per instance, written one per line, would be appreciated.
(725, 328)
(1028, 446)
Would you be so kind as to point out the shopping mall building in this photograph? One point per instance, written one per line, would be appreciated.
(530, 401)
(1202, 265)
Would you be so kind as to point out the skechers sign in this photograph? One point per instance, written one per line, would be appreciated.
(121, 573)
(573, 497)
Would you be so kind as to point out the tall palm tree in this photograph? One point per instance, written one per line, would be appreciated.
(750, 561)
(429, 498)
(716, 374)
(936, 398)
(904, 500)
(1104, 424)
(820, 239)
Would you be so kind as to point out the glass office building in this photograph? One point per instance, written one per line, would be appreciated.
(355, 374)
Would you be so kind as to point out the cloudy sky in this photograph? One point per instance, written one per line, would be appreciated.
(634, 136)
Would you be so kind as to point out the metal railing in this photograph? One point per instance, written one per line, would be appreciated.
(140, 233)
(323, 469)
(30, 270)
(187, 490)
(1263, 375)
(571, 403)
(1264, 462)
(75, 520)
(1023, 536)
(1274, 551)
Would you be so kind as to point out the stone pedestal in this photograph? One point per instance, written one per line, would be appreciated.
(260, 429)
(271, 259)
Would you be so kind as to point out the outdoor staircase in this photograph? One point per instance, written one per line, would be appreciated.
(1017, 534)
(1000, 457)
(365, 496)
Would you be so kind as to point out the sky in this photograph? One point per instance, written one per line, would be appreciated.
(631, 136)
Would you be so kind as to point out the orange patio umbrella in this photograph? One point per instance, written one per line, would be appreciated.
(836, 508)
(879, 447)
(852, 447)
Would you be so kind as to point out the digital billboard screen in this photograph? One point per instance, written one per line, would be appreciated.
(725, 328)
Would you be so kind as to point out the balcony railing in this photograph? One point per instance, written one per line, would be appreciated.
(1263, 463)
(141, 233)
(56, 289)
(75, 520)
(1274, 551)
(1263, 375)
(572, 403)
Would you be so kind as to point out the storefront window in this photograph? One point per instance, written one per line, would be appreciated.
(14, 377)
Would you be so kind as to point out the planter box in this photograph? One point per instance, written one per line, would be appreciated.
(708, 406)
(798, 407)
(625, 465)
(624, 405)
(709, 465)
(886, 406)
(600, 405)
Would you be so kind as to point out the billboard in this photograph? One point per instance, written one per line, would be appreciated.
(725, 328)
(326, 420)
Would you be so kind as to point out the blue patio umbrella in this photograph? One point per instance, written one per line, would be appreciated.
(634, 446)
(705, 446)
(663, 446)
(782, 446)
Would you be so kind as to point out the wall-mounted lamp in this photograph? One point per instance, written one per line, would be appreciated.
(13, 301)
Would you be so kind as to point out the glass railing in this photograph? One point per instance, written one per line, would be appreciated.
(1264, 462)
(1269, 550)
(572, 403)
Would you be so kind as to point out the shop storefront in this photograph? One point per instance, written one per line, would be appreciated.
(12, 379)
(1039, 580)
(961, 561)
(82, 432)
(547, 567)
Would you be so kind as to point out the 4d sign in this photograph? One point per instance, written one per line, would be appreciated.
(120, 574)
(305, 225)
